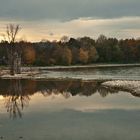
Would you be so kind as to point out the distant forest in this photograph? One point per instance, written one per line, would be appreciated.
(71, 51)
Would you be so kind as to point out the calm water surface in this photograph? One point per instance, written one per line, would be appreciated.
(97, 73)
(67, 110)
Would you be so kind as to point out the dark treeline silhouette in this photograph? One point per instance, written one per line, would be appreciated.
(17, 93)
(19, 87)
(72, 51)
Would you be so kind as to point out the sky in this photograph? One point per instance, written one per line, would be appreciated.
(52, 19)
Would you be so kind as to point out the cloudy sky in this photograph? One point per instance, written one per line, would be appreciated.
(52, 19)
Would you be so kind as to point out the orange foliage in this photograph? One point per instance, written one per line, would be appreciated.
(83, 56)
(29, 55)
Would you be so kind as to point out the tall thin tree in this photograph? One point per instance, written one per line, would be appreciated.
(14, 55)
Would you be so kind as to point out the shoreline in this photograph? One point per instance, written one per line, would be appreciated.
(61, 67)
(83, 67)
(35, 72)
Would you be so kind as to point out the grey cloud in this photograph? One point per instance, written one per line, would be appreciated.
(67, 9)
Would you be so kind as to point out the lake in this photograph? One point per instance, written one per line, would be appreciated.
(69, 109)
(130, 73)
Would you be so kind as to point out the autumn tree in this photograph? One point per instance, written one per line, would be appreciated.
(87, 44)
(92, 55)
(62, 55)
(75, 55)
(66, 56)
(83, 56)
(29, 54)
(101, 46)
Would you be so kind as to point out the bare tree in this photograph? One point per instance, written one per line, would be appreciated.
(64, 39)
(14, 54)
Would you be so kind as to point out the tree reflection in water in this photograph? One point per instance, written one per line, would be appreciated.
(16, 100)
(17, 93)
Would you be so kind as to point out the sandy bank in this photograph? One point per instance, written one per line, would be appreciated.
(124, 85)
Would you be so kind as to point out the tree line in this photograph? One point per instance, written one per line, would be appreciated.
(73, 51)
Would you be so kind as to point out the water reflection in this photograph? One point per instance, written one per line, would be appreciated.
(17, 93)
(15, 98)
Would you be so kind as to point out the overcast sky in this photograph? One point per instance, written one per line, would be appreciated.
(51, 19)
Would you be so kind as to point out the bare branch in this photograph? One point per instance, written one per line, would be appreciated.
(15, 33)
(8, 33)
(12, 31)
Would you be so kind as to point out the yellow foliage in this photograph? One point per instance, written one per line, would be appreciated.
(83, 56)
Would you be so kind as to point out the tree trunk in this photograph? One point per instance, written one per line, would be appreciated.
(15, 63)
(11, 62)
(18, 65)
